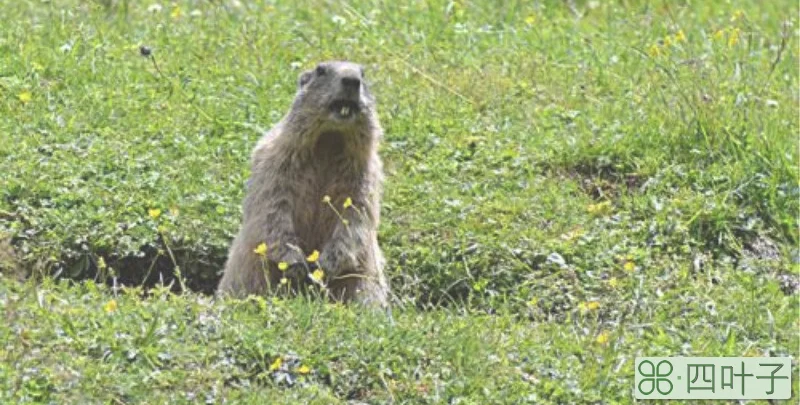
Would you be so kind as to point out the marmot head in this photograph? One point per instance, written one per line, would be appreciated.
(339, 89)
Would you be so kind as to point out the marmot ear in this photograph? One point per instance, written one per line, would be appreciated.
(304, 78)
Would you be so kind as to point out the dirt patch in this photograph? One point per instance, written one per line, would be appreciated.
(10, 264)
(200, 269)
(762, 254)
(762, 248)
(602, 181)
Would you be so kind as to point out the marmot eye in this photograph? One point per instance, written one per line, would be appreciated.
(305, 78)
(321, 70)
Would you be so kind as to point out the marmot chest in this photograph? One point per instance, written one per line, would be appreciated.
(330, 172)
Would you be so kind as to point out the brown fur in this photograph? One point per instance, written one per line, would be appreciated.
(311, 153)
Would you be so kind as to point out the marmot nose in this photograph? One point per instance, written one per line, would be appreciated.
(351, 83)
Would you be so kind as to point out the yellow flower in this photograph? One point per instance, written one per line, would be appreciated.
(261, 250)
(719, 34)
(348, 202)
(282, 266)
(317, 275)
(303, 369)
(284, 280)
(602, 338)
(345, 222)
(110, 306)
(629, 265)
(530, 19)
(680, 36)
(313, 257)
(613, 282)
(25, 97)
(654, 50)
(599, 209)
(154, 213)
(533, 301)
(588, 306)
(176, 12)
(667, 41)
(326, 199)
(101, 263)
(276, 364)
(737, 15)
(733, 38)
(573, 234)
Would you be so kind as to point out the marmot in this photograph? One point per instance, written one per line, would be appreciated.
(322, 155)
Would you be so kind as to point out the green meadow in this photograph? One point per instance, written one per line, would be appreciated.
(569, 185)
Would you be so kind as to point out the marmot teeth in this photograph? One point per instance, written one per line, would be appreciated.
(345, 111)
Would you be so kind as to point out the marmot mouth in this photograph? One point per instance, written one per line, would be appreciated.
(345, 108)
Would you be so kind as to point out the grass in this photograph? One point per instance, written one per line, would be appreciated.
(568, 187)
